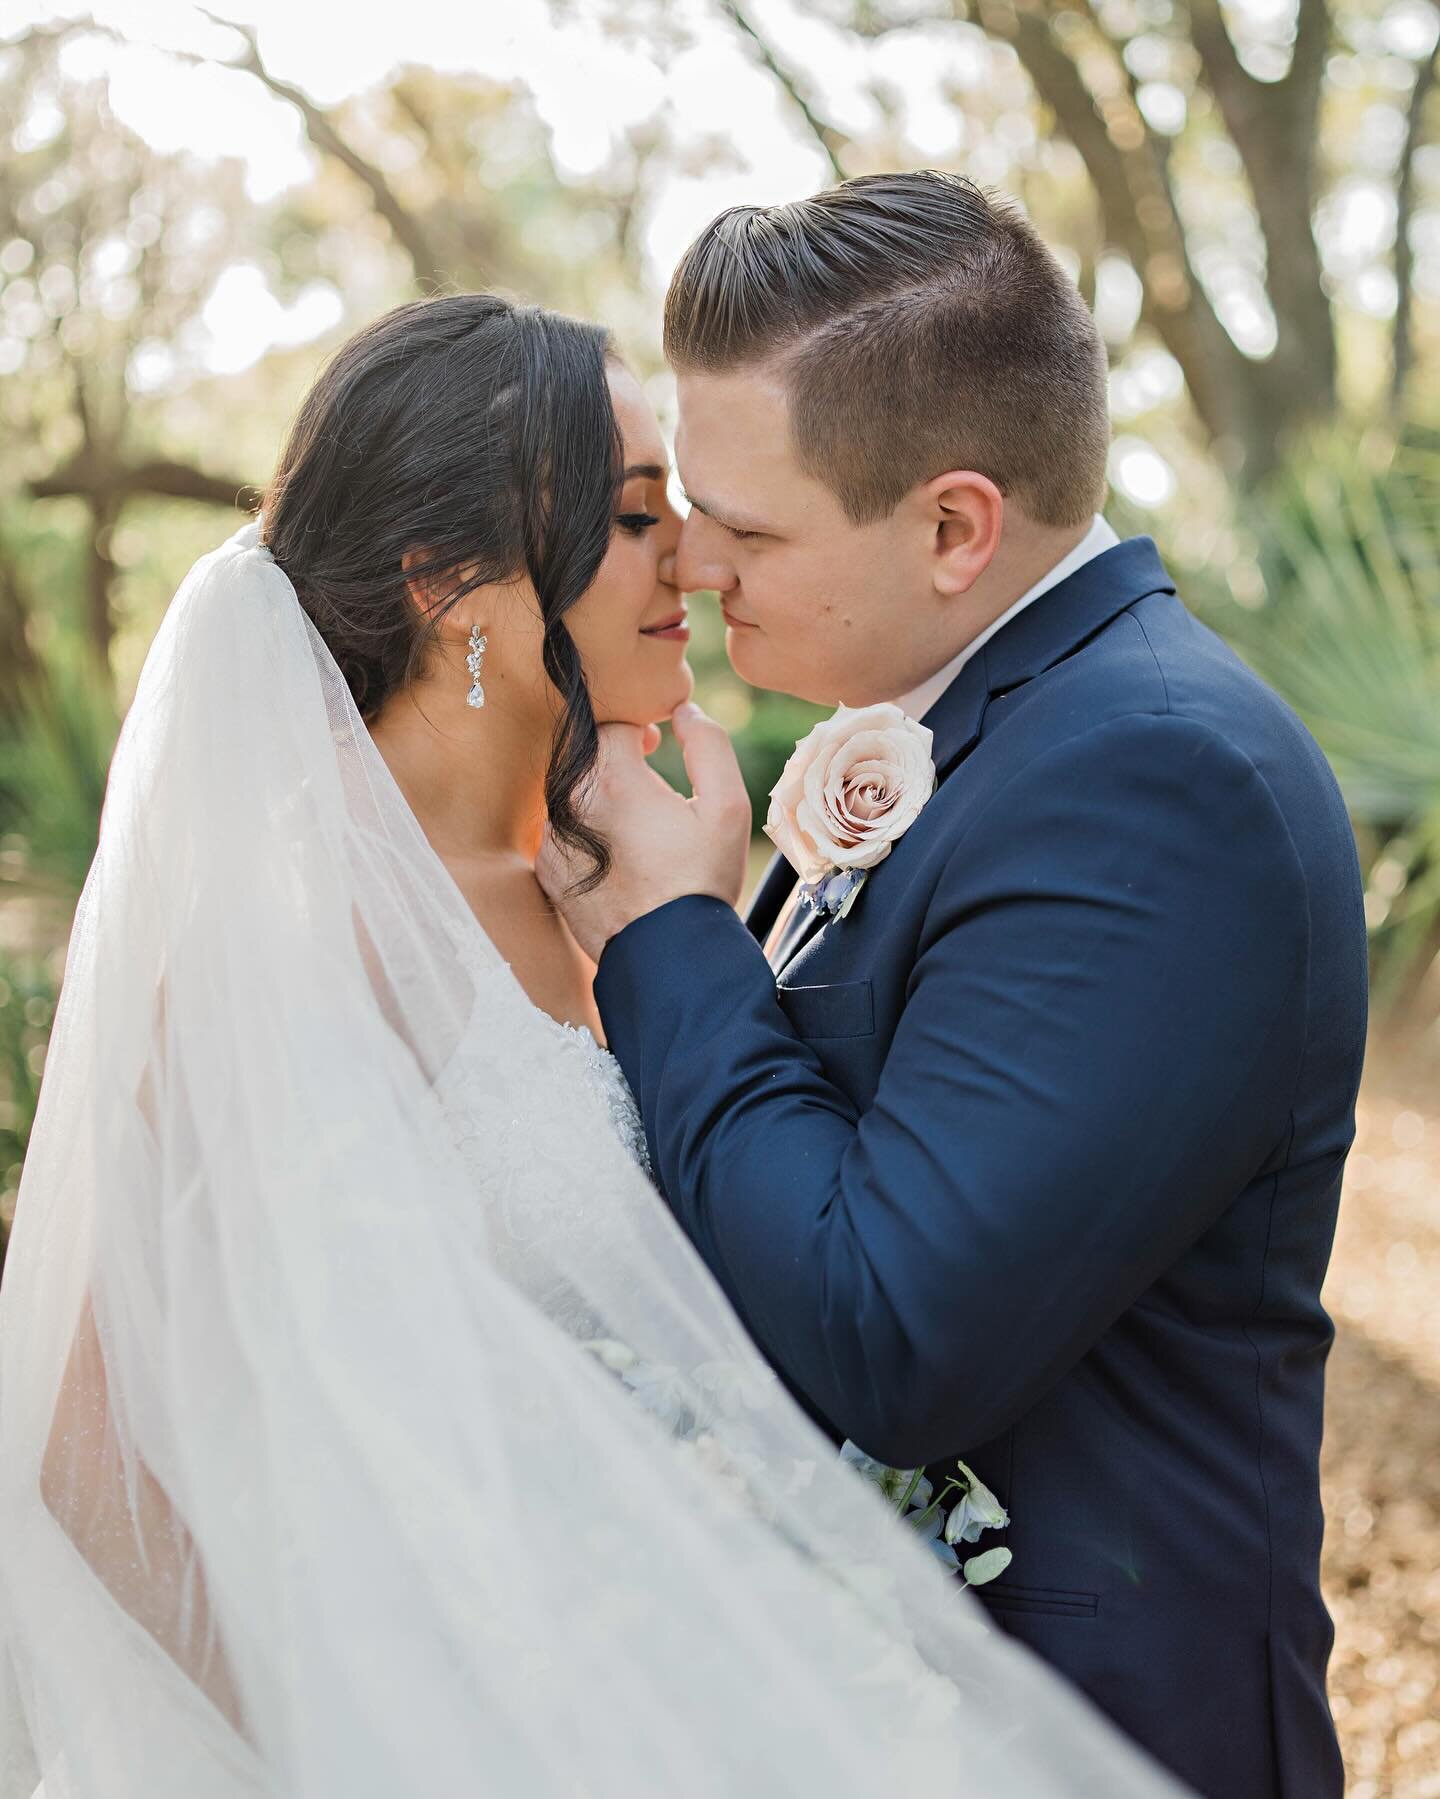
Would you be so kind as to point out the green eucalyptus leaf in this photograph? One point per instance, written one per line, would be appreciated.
(982, 1568)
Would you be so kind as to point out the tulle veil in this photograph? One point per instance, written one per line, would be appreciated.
(318, 1473)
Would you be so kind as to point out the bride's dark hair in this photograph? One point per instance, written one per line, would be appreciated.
(477, 432)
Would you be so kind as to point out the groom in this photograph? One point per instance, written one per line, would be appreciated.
(1034, 1156)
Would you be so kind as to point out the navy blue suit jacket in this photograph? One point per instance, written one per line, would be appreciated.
(1034, 1158)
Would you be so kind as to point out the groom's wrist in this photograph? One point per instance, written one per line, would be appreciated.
(664, 954)
(691, 912)
(645, 974)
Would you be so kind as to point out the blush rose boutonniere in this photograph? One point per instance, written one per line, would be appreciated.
(848, 794)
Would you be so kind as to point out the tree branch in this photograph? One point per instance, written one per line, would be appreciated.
(829, 137)
(321, 130)
(1139, 217)
(1307, 64)
(1263, 115)
(92, 477)
(1273, 127)
(407, 230)
(1403, 351)
(1224, 70)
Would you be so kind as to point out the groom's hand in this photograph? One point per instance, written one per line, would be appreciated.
(663, 846)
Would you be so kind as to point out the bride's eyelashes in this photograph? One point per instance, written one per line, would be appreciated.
(636, 523)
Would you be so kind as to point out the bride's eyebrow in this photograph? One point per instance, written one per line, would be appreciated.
(648, 471)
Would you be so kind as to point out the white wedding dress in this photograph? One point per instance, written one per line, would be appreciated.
(367, 1426)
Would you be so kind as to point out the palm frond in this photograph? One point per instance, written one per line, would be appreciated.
(1349, 633)
(54, 754)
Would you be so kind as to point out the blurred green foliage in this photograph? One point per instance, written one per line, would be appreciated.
(1348, 630)
(27, 1009)
(54, 753)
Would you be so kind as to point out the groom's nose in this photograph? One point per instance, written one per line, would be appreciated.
(701, 558)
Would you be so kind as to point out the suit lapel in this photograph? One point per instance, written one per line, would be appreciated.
(799, 927)
(956, 717)
(769, 897)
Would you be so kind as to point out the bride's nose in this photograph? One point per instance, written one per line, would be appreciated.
(665, 569)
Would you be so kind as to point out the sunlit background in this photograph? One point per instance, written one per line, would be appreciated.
(194, 212)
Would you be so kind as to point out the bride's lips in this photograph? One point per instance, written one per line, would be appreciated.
(675, 629)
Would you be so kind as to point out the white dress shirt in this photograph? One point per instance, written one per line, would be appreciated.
(1098, 538)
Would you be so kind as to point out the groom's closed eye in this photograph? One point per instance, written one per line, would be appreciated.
(742, 533)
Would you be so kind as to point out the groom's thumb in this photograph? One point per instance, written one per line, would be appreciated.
(710, 764)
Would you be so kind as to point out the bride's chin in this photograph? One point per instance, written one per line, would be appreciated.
(653, 704)
(676, 694)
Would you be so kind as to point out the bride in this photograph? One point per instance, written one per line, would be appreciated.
(366, 1425)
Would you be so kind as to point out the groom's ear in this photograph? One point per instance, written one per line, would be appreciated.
(965, 511)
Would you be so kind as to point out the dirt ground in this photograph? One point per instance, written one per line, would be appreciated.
(1382, 1453)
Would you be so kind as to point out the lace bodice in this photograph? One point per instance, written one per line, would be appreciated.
(480, 1108)
(606, 1079)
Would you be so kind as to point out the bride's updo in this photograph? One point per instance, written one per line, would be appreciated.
(481, 433)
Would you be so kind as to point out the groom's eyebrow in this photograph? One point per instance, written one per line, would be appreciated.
(723, 516)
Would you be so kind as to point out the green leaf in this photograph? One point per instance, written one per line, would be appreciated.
(982, 1568)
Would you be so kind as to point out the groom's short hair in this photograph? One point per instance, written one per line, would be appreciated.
(919, 324)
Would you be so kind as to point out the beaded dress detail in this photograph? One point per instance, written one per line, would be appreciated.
(606, 1080)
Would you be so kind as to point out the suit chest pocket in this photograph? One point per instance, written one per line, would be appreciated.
(844, 1009)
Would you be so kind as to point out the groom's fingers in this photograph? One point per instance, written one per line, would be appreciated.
(624, 746)
(626, 742)
(622, 781)
(710, 763)
(620, 760)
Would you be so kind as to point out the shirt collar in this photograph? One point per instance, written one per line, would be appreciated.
(1099, 538)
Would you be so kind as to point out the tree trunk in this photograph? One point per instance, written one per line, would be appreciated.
(1274, 125)
(1403, 351)
(100, 577)
(17, 658)
(1247, 406)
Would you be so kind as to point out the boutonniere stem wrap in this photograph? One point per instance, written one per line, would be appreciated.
(848, 794)
(833, 895)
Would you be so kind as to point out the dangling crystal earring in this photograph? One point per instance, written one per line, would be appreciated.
(474, 662)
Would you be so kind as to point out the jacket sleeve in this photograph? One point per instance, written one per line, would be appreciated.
(1096, 1053)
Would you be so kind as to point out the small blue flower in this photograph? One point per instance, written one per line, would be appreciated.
(928, 1529)
(834, 894)
(834, 889)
